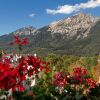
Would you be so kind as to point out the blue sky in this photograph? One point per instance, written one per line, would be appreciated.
(15, 14)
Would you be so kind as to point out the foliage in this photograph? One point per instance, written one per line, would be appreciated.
(56, 78)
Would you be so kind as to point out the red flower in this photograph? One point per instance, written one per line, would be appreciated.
(60, 79)
(91, 82)
(17, 40)
(25, 41)
(85, 71)
(12, 78)
(47, 70)
(21, 88)
(41, 68)
(16, 37)
(79, 74)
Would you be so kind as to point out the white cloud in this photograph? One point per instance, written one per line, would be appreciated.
(31, 15)
(67, 9)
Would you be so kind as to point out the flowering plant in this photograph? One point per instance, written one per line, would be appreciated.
(19, 42)
(49, 84)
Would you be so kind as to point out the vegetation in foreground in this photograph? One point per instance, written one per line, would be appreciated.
(55, 77)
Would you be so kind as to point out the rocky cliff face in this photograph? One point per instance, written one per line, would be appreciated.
(78, 25)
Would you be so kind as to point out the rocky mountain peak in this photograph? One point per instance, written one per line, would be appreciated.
(71, 26)
(82, 15)
(88, 17)
(27, 30)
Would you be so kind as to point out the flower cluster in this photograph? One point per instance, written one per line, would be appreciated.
(79, 74)
(60, 79)
(80, 71)
(19, 42)
(12, 77)
(33, 64)
(91, 82)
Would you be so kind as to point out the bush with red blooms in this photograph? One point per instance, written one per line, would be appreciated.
(75, 83)
(12, 77)
(91, 82)
(81, 76)
(60, 79)
(49, 84)
(78, 76)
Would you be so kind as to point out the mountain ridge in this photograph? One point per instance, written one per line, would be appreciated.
(78, 35)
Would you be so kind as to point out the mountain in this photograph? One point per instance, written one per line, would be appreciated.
(78, 35)
(74, 25)
(26, 31)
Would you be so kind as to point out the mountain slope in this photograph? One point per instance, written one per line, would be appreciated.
(78, 35)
